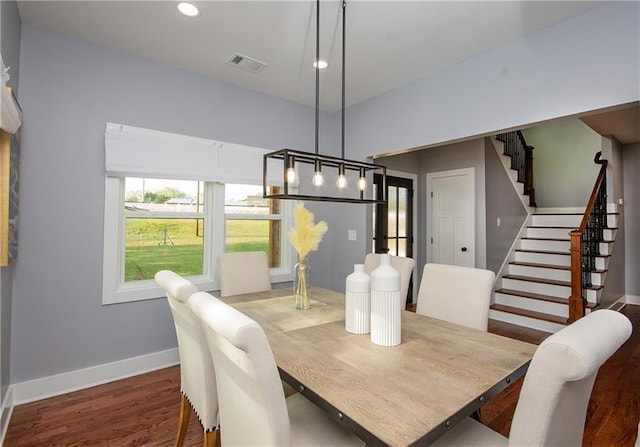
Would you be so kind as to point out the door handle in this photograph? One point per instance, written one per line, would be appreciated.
(464, 249)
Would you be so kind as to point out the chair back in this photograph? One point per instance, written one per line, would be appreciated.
(552, 407)
(244, 272)
(401, 264)
(460, 295)
(197, 377)
(253, 410)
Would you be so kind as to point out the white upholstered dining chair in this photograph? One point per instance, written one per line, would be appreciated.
(552, 407)
(402, 264)
(460, 295)
(197, 376)
(243, 272)
(253, 409)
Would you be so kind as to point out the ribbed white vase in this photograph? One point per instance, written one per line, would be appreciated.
(358, 301)
(385, 304)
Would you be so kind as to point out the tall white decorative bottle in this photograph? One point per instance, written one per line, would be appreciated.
(358, 301)
(385, 304)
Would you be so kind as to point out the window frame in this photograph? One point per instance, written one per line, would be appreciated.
(116, 290)
(280, 274)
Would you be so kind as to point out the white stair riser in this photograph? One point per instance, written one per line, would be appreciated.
(537, 272)
(536, 287)
(543, 258)
(567, 220)
(562, 233)
(597, 279)
(563, 260)
(556, 220)
(606, 248)
(561, 310)
(544, 244)
(536, 244)
(525, 321)
(593, 296)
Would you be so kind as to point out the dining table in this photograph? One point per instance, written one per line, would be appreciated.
(404, 395)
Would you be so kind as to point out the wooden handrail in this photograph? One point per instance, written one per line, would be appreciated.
(578, 265)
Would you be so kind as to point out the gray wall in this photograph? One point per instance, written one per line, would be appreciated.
(10, 26)
(468, 154)
(563, 168)
(564, 70)
(502, 202)
(69, 90)
(631, 210)
(614, 287)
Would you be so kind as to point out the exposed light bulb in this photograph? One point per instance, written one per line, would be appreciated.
(362, 183)
(317, 179)
(341, 183)
(291, 175)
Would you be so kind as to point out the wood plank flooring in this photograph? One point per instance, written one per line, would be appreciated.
(143, 410)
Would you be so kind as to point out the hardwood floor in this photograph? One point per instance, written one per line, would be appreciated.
(143, 410)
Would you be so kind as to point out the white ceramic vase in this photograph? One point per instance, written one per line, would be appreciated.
(358, 301)
(385, 304)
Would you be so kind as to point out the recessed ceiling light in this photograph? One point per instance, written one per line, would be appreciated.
(188, 9)
(320, 64)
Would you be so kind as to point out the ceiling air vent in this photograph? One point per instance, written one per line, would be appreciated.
(246, 63)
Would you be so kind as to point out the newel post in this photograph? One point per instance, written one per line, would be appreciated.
(576, 303)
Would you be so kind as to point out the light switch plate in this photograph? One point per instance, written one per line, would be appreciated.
(351, 235)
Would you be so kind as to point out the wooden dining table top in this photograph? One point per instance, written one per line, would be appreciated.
(409, 394)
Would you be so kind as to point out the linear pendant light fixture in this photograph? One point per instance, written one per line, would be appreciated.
(311, 176)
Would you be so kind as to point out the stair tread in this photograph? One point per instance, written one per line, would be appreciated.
(550, 266)
(553, 282)
(530, 314)
(571, 214)
(555, 239)
(562, 227)
(551, 252)
(546, 252)
(539, 265)
(534, 296)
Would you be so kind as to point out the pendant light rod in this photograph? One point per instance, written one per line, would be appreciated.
(344, 38)
(290, 187)
(317, 65)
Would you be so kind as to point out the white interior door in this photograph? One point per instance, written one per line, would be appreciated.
(451, 217)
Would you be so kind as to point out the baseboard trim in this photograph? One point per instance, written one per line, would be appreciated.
(5, 414)
(632, 299)
(55, 385)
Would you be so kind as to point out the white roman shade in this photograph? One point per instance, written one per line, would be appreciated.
(10, 113)
(137, 152)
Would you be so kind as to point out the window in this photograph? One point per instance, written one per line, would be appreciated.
(252, 223)
(164, 224)
(157, 224)
(153, 221)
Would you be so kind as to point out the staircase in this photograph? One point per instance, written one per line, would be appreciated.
(534, 285)
(535, 289)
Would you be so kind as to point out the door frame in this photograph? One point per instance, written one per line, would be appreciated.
(414, 222)
(429, 181)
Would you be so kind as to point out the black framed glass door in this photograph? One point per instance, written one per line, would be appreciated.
(393, 221)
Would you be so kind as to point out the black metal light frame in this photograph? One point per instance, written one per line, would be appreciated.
(289, 192)
(290, 157)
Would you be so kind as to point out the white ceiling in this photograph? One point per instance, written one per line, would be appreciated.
(389, 43)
